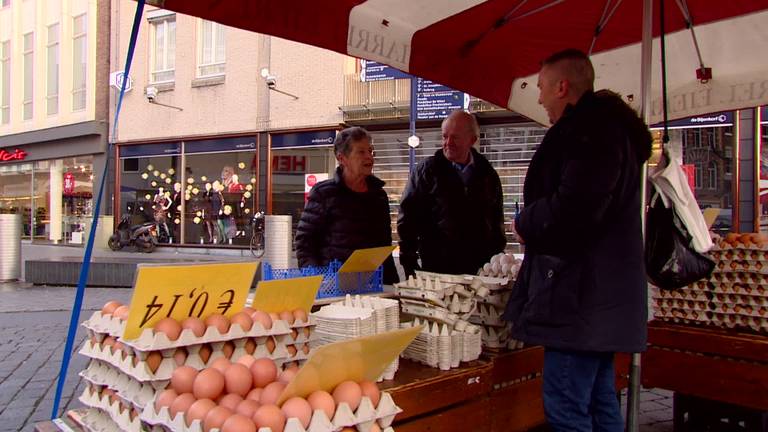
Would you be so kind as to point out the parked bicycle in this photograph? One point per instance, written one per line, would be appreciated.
(257, 235)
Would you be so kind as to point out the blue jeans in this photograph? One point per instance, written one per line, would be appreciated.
(579, 392)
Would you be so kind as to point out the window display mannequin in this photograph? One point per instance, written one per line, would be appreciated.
(230, 180)
(217, 210)
(175, 210)
(161, 204)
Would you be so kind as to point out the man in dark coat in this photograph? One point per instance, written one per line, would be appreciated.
(348, 212)
(582, 291)
(452, 210)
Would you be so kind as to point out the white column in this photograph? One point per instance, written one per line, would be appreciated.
(54, 201)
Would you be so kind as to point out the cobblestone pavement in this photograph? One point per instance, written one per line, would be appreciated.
(33, 329)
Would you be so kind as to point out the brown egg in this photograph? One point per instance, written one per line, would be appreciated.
(170, 327)
(287, 316)
(181, 404)
(209, 383)
(294, 334)
(262, 318)
(153, 360)
(322, 400)
(249, 310)
(273, 316)
(270, 343)
(271, 392)
(119, 347)
(109, 341)
(180, 356)
(221, 363)
(250, 346)
(270, 416)
(300, 315)
(182, 379)
(110, 306)
(255, 394)
(307, 331)
(230, 401)
(205, 353)
(228, 348)
(371, 390)
(195, 325)
(219, 321)
(291, 350)
(238, 379)
(291, 366)
(165, 399)
(121, 312)
(305, 348)
(349, 392)
(216, 418)
(238, 423)
(247, 407)
(198, 410)
(243, 320)
(246, 360)
(264, 371)
(286, 376)
(299, 408)
(348, 429)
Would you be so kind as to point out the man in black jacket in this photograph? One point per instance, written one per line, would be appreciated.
(581, 291)
(348, 212)
(452, 210)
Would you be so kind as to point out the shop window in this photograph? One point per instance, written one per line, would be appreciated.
(211, 49)
(79, 61)
(163, 49)
(5, 82)
(16, 193)
(698, 174)
(29, 76)
(712, 176)
(52, 79)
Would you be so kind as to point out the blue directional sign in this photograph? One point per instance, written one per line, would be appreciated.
(435, 101)
(375, 71)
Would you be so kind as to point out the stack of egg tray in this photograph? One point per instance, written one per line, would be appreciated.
(121, 383)
(443, 305)
(734, 297)
(491, 304)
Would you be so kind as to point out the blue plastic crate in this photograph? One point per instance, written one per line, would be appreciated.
(334, 284)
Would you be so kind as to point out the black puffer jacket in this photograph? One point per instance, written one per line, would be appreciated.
(582, 285)
(453, 228)
(336, 221)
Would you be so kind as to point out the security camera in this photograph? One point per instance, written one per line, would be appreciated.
(271, 81)
(151, 93)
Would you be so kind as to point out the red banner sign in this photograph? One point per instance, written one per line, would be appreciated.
(69, 184)
(18, 155)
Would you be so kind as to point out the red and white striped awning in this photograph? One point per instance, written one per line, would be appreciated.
(492, 49)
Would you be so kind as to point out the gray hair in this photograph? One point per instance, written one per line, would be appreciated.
(469, 119)
(344, 139)
(575, 66)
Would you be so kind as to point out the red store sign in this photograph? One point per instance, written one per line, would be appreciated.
(69, 183)
(18, 155)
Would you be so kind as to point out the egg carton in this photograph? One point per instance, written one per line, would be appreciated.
(735, 321)
(750, 289)
(683, 304)
(149, 340)
(445, 278)
(740, 309)
(108, 324)
(723, 246)
(97, 420)
(434, 345)
(743, 299)
(488, 315)
(434, 282)
(136, 392)
(682, 315)
(696, 293)
(429, 312)
(496, 337)
(497, 298)
(362, 419)
(115, 410)
(385, 312)
(140, 370)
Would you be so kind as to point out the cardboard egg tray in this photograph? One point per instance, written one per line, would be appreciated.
(428, 311)
(496, 337)
(739, 309)
(115, 410)
(743, 299)
(739, 254)
(137, 393)
(362, 419)
(738, 321)
(141, 371)
(488, 315)
(684, 315)
(98, 420)
(692, 305)
(386, 312)
(748, 266)
(692, 292)
(436, 344)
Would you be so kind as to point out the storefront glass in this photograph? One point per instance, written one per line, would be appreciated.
(763, 180)
(16, 193)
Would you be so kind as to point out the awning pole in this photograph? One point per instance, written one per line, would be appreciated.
(633, 396)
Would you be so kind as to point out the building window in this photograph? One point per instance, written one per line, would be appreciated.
(79, 61)
(211, 49)
(697, 176)
(29, 74)
(163, 50)
(5, 82)
(52, 84)
(712, 175)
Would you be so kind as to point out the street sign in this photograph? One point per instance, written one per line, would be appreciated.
(375, 71)
(116, 81)
(435, 101)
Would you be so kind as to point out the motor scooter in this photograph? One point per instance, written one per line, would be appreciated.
(143, 235)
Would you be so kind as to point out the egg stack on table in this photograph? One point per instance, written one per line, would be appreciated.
(358, 316)
(503, 268)
(125, 375)
(443, 304)
(243, 397)
(735, 296)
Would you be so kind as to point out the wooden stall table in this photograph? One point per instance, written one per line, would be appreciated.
(708, 363)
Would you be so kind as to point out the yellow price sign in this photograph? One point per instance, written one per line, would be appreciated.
(286, 294)
(187, 290)
(366, 260)
(363, 358)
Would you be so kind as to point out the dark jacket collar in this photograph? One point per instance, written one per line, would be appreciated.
(478, 159)
(373, 181)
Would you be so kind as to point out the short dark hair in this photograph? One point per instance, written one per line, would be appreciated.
(344, 139)
(575, 65)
